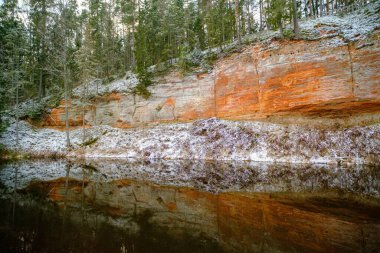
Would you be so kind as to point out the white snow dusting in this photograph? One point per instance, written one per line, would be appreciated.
(210, 139)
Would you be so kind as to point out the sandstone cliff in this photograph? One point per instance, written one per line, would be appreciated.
(329, 81)
(327, 77)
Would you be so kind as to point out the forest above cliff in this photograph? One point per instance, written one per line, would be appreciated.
(49, 46)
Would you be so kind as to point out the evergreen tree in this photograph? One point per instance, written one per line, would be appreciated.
(14, 49)
(278, 14)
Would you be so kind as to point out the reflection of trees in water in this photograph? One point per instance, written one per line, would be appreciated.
(40, 227)
(14, 196)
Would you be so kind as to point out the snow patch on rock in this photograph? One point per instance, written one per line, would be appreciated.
(97, 88)
(352, 27)
(210, 139)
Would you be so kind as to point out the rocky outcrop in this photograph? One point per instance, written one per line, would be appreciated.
(323, 78)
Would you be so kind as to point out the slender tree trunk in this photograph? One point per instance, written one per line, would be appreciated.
(17, 110)
(295, 19)
(66, 99)
(261, 14)
(313, 7)
(223, 34)
(280, 27)
(249, 20)
(327, 7)
(320, 8)
(133, 34)
(65, 81)
(84, 111)
(40, 84)
(84, 124)
(305, 8)
(237, 21)
(316, 8)
(266, 18)
(15, 67)
(42, 56)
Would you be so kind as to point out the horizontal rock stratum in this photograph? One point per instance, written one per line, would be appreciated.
(323, 78)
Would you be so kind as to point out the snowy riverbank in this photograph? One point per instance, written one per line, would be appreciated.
(210, 139)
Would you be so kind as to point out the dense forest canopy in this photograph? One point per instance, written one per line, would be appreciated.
(47, 46)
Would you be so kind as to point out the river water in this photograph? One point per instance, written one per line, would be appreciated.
(187, 206)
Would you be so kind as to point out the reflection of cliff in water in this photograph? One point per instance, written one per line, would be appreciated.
(87, 211)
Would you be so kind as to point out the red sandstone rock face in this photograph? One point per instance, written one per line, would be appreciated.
(315, 78)
(323, 78)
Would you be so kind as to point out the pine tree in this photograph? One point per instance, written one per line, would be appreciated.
(39, 24)
(66, 26)
(278, 13)
(87, 65)
(13, 51)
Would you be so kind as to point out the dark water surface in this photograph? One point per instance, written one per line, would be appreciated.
(187, 206)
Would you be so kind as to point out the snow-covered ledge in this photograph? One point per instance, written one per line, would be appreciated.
(210, 139)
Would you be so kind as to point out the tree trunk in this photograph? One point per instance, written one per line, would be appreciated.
(316, 6)
(17, 110)
(295, 19)
(249, 19)
(66, 99)
(267, 24)
(40, 84)
(42, 56)
(223, 33)
(84, 124)
(280, 27)
(261, 14)
(313, 7)
(320, 8)
(133, 36)
(84, 112)
(237, 21)
(305, 8)
(327, 7)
